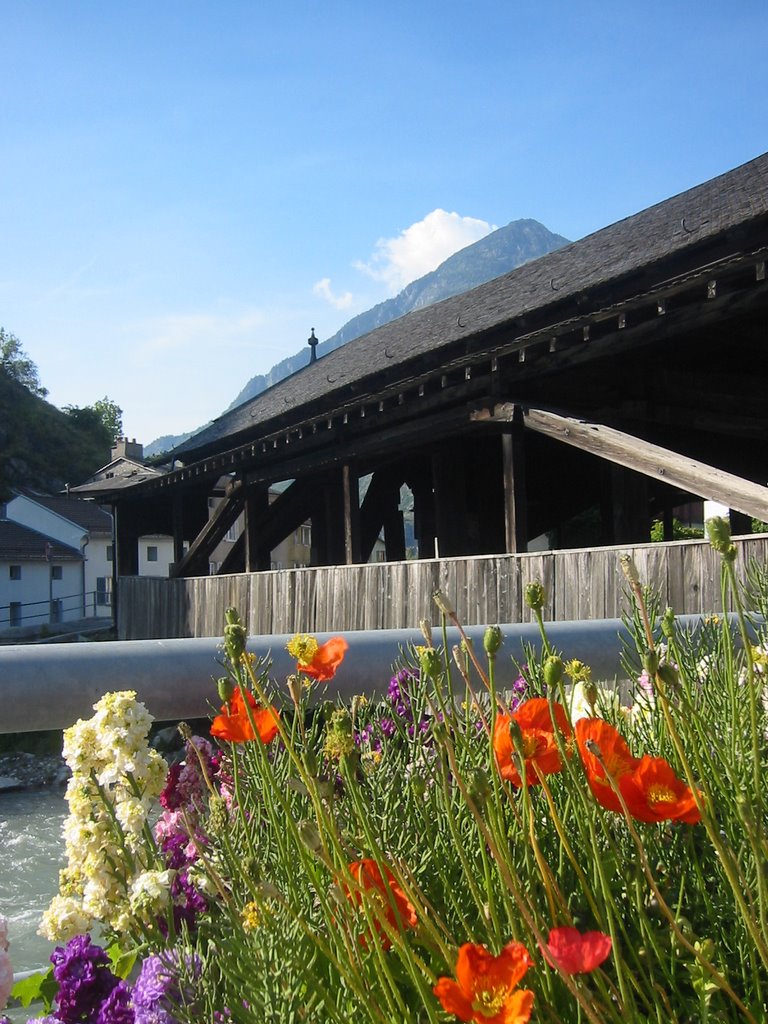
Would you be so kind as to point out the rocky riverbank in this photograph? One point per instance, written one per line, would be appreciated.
(21, 770)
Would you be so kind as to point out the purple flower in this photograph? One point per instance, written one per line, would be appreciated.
(85, 980)
(158, 989)
(388, 727)
(117, 1007)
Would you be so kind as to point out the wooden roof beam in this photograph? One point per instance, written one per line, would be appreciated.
(641, 456)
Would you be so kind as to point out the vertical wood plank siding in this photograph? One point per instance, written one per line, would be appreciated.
(580, 584)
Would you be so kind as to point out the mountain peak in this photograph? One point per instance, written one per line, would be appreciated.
(497, 253)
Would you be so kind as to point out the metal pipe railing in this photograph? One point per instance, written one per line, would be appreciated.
(44, 688)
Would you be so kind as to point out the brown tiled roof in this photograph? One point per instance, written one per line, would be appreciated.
(20, 543)
(630, 254)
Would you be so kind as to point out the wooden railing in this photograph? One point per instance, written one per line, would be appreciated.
(580, 584)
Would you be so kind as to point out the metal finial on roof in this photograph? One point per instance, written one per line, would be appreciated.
(313, 343)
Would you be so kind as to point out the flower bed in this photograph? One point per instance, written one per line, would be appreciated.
(449, 852)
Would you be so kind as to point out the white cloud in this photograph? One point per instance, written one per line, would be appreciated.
(422, 247)
(323, 289)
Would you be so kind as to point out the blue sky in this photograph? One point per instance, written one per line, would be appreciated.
(186, 188)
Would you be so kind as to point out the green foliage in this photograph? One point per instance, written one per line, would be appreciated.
(410, 784)
(103, 419)
(679, 531)
(43, 447)
(38, 987)
(18, 365)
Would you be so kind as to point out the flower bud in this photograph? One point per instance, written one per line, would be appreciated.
(478, 786)
(225, 689)
(552, 670)
(590, 692)
(668, 675)
(534, 595)
(429, 662)
(310, 761)
(310, 836)
(719, 533)
(668, 622)
(651, 662)
(443, 605)
(515, 734)
(426, 631)
(492, 640)
(293, 682)
(629, 569)
(235, 635)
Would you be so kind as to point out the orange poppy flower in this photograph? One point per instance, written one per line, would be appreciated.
(654, 793)
(615, 754)
(485, 990)
(233, 723)
(540, 751)
(389, 901)
(325, 660)
(575, 952)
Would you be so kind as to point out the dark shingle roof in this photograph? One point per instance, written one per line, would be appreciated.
(84, 513)
(19, 542)
(615, 254)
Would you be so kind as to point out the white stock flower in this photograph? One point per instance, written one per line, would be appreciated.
(64, 919)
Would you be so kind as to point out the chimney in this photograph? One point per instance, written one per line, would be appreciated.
(125, 449)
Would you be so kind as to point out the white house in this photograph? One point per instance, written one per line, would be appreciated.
(55, 560)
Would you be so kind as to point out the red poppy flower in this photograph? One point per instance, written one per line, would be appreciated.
(381, 891)
(485, 989)
(540, 750)
(233, 723)
(574, 952)
(326, 659)
(654, 793)
(614, 753)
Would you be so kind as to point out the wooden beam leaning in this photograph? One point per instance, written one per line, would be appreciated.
(641, 456)
(195, 562)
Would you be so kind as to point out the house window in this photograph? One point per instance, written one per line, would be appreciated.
(304, 536)
(56, 572)
(56, 609)
(104, 590)
(15, 572)
(110, 553)
(232, 533)
(151, 553)
(15, 613)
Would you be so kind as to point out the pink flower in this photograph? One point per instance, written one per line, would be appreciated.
(576, 953)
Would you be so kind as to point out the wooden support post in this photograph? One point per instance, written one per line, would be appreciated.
(351, 498)
(256, 504)
(178, 527)
(515, 499)
(394, 533)
(450, 501)
(423, 513)
(126, 553)
(629, 506)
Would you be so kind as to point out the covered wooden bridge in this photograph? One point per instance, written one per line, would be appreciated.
(580, 396)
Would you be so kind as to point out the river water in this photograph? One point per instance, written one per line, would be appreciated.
(31, 854)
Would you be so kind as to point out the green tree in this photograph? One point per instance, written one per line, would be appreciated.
(111, 416)
(17, 364)
(104, 417)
